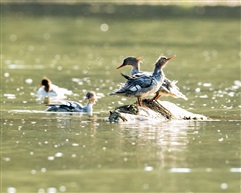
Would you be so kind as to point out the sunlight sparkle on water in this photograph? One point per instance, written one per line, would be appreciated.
(235, 170)
(52, 190)
(197, 90)
(29, 81)
(6, 74)
(148, 168)
(180, 170)
(59, 154)
(237, 83)
(33, 172)
(104, 27)
(51, 158)
(220, 140)
(10, 96)
(41, 190)
(207, 84)
(43, 170)
(6, 159)
(224, 186)
(11, 190)
(62, 188)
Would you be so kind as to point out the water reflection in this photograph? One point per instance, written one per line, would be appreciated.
(75, 145)
(166, 143)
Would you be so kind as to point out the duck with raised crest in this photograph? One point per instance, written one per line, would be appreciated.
(168, 88)
(144, 85)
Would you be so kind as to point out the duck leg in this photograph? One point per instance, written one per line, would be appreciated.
(156, 97)
(139, 101)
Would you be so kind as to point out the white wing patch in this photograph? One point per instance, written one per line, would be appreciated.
(135, 88)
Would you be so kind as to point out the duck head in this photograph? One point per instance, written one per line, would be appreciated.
(46, 83)
(132, 61)
(91, 97)
(162, 61)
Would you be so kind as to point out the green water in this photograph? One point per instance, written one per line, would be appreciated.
(48, 152)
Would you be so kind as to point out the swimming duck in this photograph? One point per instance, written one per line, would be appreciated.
(48, 89)
(72, 106)
(168, 87)
(145, 85)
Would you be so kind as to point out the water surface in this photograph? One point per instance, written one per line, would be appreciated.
(51, 152)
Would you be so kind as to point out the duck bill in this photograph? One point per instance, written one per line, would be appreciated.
(171, 57)
(122, 65)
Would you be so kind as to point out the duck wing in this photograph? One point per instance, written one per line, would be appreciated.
(137, 75)
(140, 74)
(67, 106)
(135, 86)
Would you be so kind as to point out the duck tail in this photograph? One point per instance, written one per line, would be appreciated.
(180, 95)
(126, 76)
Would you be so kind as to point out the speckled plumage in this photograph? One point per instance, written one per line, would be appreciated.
(168, 88)
(145, 84)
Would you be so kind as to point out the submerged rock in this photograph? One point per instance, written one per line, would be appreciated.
(157, 110)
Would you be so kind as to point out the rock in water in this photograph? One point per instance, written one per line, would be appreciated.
(157, 110)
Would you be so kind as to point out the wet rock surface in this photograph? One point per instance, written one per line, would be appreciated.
(153, 110)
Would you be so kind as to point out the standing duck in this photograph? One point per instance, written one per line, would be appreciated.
(168, 87)
(135, 63)
(72, 106)
(145, 85)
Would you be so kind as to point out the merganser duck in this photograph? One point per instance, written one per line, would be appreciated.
(145, 85)
(168, 87)
(48, 89)
(72, 106)
(135, 63)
